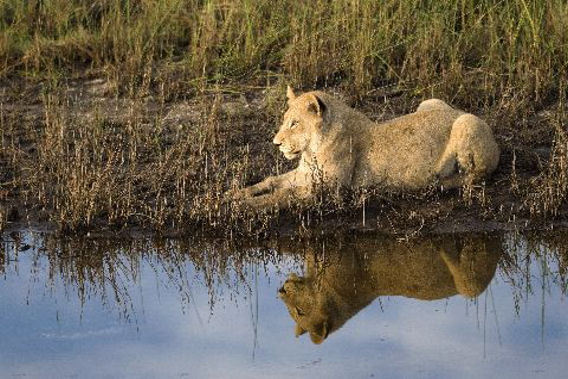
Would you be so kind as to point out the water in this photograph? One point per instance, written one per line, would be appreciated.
(444, 307)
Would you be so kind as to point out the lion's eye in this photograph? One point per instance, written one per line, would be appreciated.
(293, 124)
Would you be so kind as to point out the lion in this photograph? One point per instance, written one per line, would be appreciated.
(356, 273)
(339, 146)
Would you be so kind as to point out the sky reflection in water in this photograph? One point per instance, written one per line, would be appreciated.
(92, 309)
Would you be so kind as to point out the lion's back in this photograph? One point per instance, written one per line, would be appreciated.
(403, 152)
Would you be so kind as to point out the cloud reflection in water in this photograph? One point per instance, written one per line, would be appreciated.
(137, 309)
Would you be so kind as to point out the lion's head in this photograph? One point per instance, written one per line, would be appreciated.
(301, 128)
(306, 307)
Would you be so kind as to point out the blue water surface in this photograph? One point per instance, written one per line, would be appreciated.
(151, 317)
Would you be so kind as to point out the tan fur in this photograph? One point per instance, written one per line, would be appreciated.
(351, 277)
(340, 146)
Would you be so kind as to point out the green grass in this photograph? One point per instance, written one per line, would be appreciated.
(504, 60)
(494, 45)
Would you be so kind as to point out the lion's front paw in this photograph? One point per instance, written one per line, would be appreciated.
(246, 195)
(261, 189)
(236, 195)
(249, 199)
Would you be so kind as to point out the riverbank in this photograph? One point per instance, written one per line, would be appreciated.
(78, 159)
(122, 115)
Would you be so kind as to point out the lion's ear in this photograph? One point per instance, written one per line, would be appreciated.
(316, 105)
(299, 331)
(319, 334)
(290, 93)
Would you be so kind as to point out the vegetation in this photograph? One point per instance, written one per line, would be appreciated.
(82, 155)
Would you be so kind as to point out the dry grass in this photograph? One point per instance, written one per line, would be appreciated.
(76, 165)
(85, 171)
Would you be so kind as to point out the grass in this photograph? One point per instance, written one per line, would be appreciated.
(65, 158)
(498, 45)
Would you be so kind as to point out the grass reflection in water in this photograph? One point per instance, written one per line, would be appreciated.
(331, 288)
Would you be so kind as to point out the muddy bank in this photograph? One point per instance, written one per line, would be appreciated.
(82, 157)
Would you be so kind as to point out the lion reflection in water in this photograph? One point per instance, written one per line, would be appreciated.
(354, 274)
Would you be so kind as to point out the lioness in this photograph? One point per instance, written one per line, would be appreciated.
(351, 276)
(437, 144)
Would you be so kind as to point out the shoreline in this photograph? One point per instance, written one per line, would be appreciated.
(76, 160)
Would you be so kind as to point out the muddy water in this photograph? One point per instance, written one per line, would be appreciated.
(453, 306)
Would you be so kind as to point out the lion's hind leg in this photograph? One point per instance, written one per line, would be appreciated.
(471, 153)
(433, 105)
(473, 265)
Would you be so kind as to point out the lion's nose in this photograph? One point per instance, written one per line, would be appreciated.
(276, 140)
(281, 290)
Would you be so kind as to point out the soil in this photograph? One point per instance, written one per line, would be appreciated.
(493, 206)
